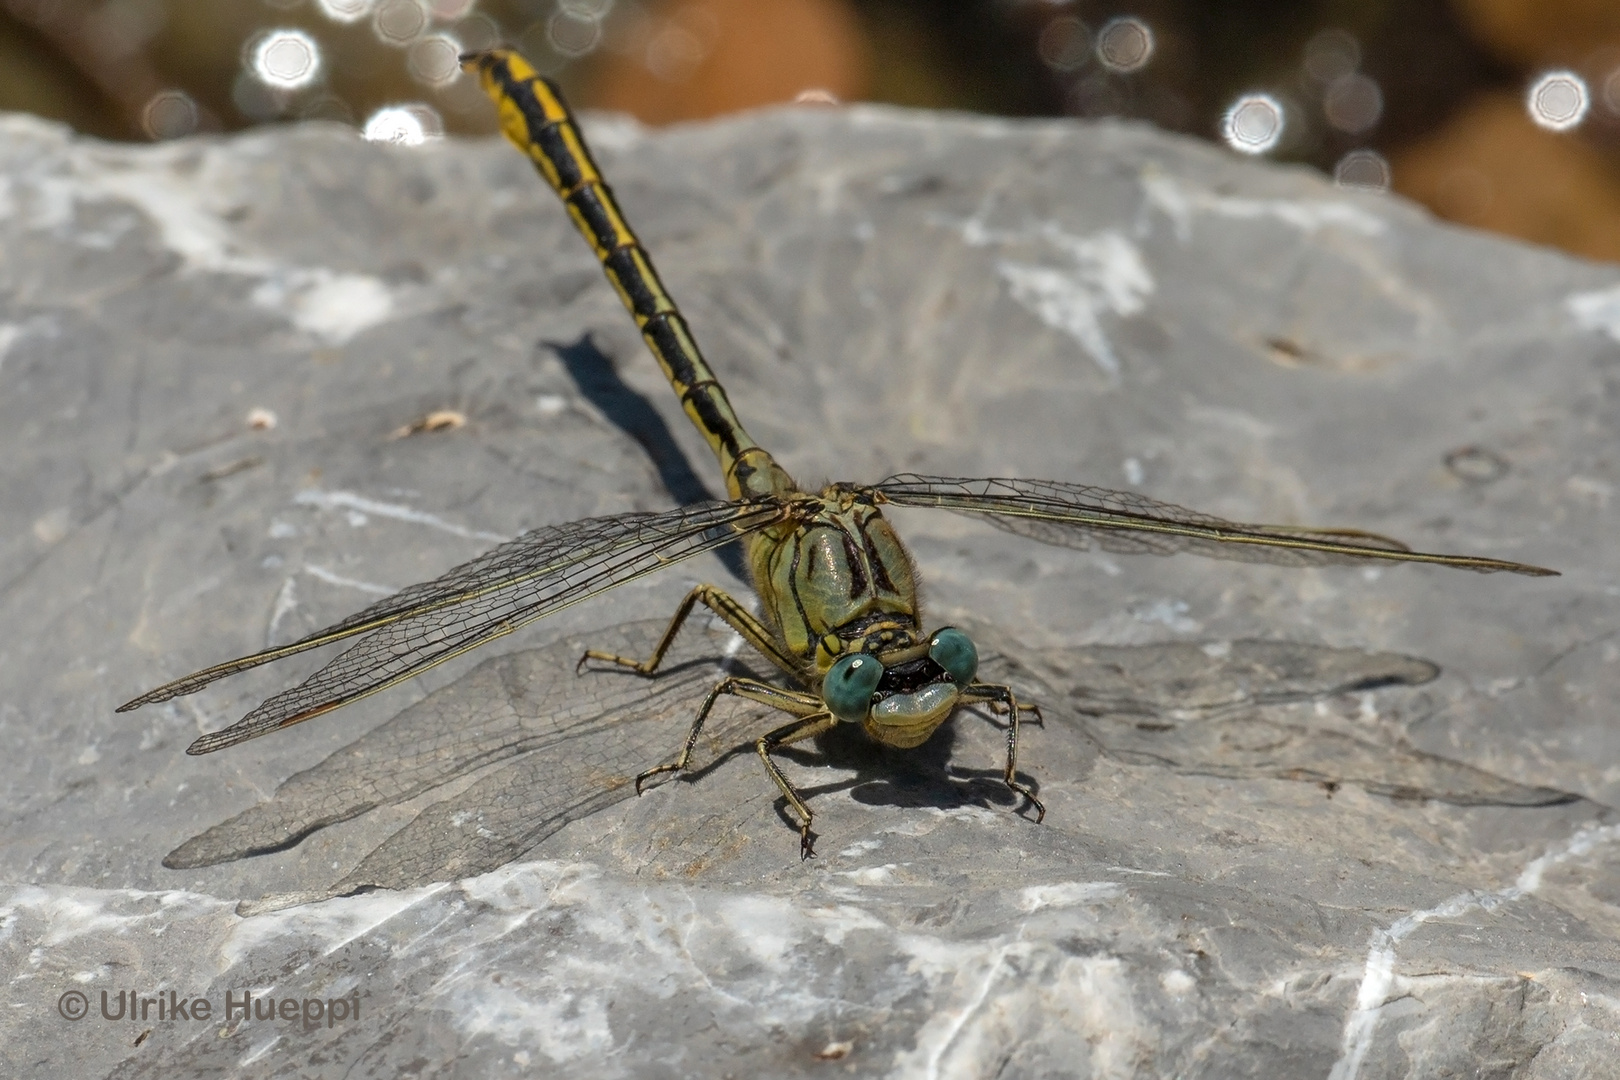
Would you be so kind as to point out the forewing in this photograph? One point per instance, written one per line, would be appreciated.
(509, 586)
(1087, 518)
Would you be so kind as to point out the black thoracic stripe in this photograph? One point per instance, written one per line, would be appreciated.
(776, 555)
(797, 544)
(852, 556)
(880, 572)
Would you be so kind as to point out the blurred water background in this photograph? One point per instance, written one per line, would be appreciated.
(1501, 114)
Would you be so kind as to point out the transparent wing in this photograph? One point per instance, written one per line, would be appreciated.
(1079, 516)
(525, 579)
(551, 747)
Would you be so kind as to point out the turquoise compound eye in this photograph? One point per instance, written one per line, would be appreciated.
(953, 650)
(849, 685)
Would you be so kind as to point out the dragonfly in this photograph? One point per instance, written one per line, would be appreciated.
(837, 590)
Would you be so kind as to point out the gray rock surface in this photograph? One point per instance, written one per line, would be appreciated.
(1300, 823)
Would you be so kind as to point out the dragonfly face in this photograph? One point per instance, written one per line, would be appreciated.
(900, 696)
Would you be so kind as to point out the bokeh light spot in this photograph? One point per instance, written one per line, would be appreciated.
(286, 59)
(478, 32)
(394, 125)
(113, 29)
(1096, 95)
(573, 33)
(450, 10)
(408, 125)
(1362, 170)
(169, 114)
(1125, 44)
(1064, 44)
(399, 22)
(255, 100)
(1354, 103)
(345, 11)
(590, 9)
(1253, 123)
(328, 107)
(1331, 55)
(435, 60)
(674, 53)
(1558, 101)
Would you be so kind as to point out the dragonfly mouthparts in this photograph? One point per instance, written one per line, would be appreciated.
(909, 676)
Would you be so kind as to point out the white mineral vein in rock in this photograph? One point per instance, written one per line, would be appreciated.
(1180, 202)
(1598, 310)
(1379, 976)
(1104, 274)
(1066, 894)
(348, 500)
(286, 603)
(10, 333)
(323, 574)
(182, 198)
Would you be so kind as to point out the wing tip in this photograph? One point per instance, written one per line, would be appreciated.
(166, 692)
(1495, 566)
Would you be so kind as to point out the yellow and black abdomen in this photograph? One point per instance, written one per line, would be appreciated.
(537, 120)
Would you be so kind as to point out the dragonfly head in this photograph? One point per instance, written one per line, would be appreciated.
(902, 693)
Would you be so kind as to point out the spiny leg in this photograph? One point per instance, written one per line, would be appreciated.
(1003, 695)
(722, 604)
(806, 728)
(1000, 709)
(788, 701)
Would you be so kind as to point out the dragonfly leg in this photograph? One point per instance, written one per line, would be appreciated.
(1004, 696)
(721, 603)
(807, 727)
(790, 701)
(1000, 709)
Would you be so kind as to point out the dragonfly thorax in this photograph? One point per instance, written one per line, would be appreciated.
(832, 577)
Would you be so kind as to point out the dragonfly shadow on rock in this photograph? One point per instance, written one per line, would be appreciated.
(533, 747)
(543, 747)
(599, 383)
(930, 775)
(1271, 710)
